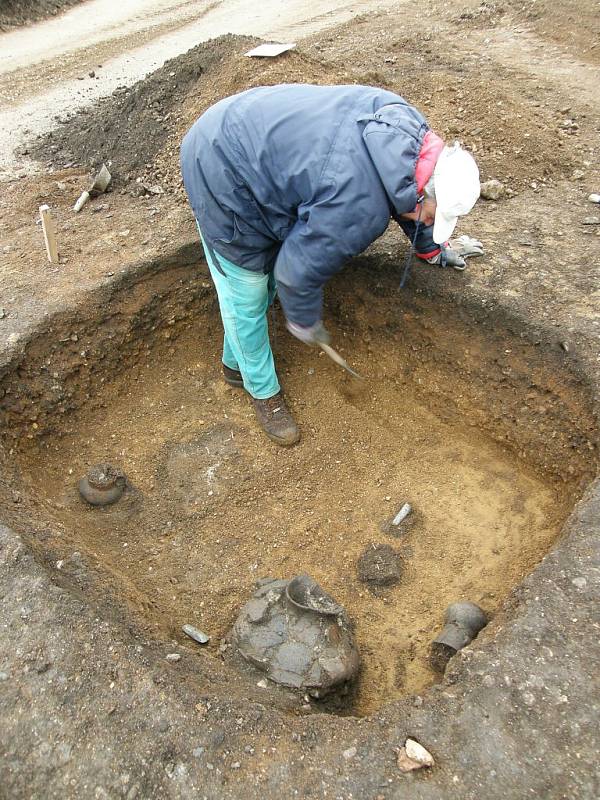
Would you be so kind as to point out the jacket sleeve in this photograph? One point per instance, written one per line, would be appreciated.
(425, 247)
(325, 235)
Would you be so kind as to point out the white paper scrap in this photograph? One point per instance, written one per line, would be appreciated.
(270, 49)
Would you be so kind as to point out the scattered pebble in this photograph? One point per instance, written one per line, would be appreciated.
(195, 634)
(590, 221)
(529, 699)
(262, 684)
(174, 657)
(580, 583)
(492, 190)
(349, 753)
(414, 756)
(594, 198)
(2, 313)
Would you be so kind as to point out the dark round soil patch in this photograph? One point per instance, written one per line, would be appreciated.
(379, 565)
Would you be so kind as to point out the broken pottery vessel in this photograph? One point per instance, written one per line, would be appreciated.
(103, 485)
(297, 634)
(463, 622)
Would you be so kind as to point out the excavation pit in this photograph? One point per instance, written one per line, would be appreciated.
(477, 423)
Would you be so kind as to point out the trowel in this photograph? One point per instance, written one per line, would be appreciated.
(335, 356)
(98, 186)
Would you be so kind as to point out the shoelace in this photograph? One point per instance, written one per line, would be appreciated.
(273, 405)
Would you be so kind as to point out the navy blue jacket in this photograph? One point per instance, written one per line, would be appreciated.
(299, 178)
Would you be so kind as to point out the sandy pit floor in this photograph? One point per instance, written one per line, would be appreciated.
(214, 506)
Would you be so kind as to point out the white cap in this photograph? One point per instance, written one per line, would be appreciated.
(456, 182)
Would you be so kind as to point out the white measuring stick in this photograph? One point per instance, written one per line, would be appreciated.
(49, 234)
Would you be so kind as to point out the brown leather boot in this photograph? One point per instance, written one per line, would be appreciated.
(276, 420)
(233, 377)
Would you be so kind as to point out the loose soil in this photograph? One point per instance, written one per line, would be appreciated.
(379, 565)
(213, 506)
(24, 12)
(487, 434)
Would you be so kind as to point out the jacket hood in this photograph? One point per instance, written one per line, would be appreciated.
(393, 136)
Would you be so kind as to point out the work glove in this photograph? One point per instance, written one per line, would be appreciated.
(456, 251)
(313, 335)
(466, 247)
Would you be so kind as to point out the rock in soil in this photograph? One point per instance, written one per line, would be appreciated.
(379, 565)
(414, 756)
(195, 634)
(492, 190)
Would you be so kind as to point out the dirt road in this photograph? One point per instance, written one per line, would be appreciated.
(60, 65)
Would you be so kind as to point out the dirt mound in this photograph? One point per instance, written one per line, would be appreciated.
(139, 130)
(24, 12)
(514, 136)
(131, 126)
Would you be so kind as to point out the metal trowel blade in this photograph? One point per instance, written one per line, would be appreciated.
(335, 356)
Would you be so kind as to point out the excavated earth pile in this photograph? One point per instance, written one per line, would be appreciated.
(24, 12)
(479, 408)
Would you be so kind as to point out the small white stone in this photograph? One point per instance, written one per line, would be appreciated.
(418, 753)
(529, 699)
(262, 684)
(594, 198)
(173, 657)
(580, 582)
(349, 753)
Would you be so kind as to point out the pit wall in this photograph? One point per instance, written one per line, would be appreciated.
(470, 357)
(461, 358)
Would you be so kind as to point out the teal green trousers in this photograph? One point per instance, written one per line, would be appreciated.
(244, 298)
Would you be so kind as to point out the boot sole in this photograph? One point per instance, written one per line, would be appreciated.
(234, 382)
(283, 442)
